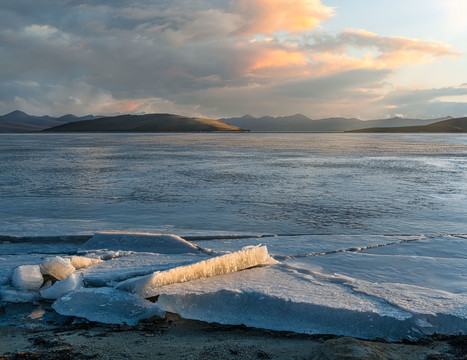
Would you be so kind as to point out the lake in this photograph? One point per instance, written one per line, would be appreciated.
(237, 183)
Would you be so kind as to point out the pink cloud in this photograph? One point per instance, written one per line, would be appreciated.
(270, 16)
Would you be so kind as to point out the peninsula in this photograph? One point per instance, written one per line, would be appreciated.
(147, 123)
(458, 125)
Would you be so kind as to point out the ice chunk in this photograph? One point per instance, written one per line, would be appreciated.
(80, 262)
(60, 288)
(106, 305)
(240, 260)
(18, 296)
(156, 243)
(8, 263)
(27, 277)
(57, 267)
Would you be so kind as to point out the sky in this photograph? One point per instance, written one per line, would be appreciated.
(225, 58)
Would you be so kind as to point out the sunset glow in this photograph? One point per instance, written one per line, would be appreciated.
(110, 58)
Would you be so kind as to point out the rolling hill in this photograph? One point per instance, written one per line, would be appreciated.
(147, 123)
(458, 125)
(19, 121)
(301, 123)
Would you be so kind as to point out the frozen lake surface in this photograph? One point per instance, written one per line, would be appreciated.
(236, 183)
(366, 234)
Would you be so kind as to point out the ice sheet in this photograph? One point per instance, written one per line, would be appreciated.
(156, 243)
(280, 298)
(302, 245)
(9, 294)
(366, 286)
(106, 305)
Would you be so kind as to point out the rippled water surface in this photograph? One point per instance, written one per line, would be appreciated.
(254, 183)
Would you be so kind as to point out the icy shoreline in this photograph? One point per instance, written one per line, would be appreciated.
(394, 287)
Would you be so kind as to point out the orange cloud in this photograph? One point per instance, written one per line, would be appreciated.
(273, 58)
(270, 16)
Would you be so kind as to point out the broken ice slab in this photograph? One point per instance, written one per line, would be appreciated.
(106, 305)
(60, 288)
(156, 243)
(240, 260)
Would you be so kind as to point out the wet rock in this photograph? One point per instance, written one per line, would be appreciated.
(346, 348)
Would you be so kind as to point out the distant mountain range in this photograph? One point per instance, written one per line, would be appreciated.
(301, 123)
(458, 125)
(19, 121)
(147, 123)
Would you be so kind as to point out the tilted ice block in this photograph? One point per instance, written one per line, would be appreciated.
(60, 288)
(240, 260)
(27, 277)
(156, 243)
(80, 262)
(136, 264)
(57, 267)
(106, 305)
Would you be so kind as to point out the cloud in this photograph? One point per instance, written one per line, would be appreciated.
(277, 58)
(205, 57)
(340, 94)
(83, 99)
(420, 102)
(270, 16)
(377, 52)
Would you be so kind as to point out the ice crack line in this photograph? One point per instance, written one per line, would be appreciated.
(353, 249)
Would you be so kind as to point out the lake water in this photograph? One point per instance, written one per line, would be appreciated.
(56, 184)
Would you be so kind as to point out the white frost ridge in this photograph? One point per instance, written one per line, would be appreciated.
(240, 260)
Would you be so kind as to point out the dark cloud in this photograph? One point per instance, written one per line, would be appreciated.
(426, 102)
(334, 86)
